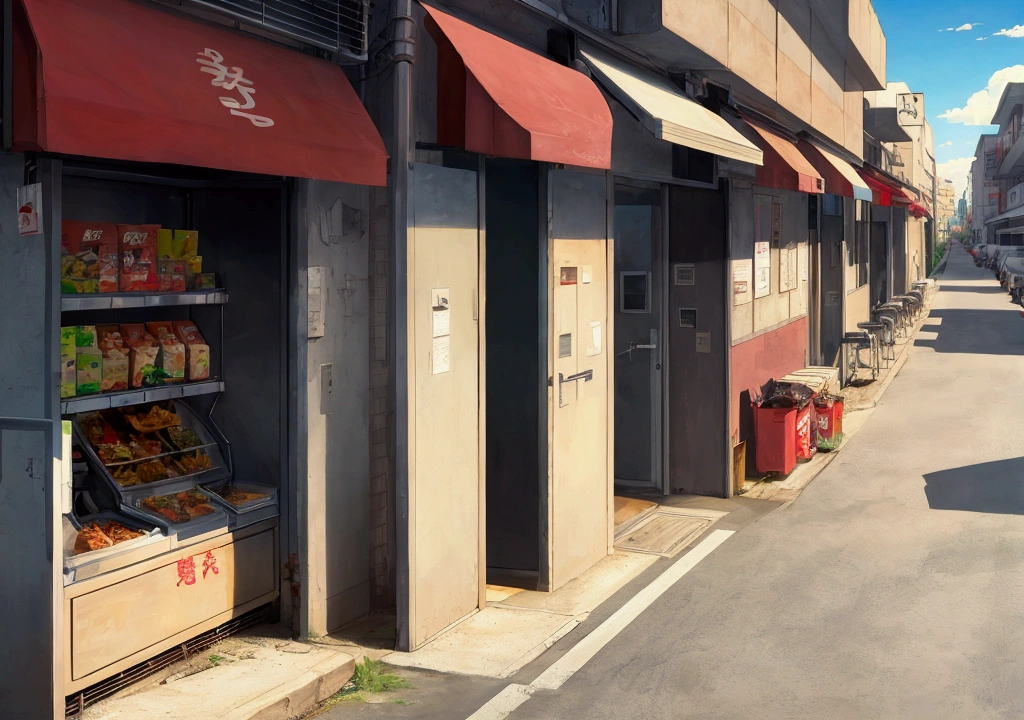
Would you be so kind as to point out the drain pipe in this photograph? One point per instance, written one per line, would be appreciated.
(403, 27)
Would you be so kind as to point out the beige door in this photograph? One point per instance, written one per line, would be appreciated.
(580, 497)
(444, 517)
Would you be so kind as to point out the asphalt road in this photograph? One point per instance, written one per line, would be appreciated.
(893, 587)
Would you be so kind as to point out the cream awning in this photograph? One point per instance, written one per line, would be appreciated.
(667, 113)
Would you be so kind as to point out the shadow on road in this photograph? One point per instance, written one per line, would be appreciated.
(979, 332)
(992, 487)
(988, 289)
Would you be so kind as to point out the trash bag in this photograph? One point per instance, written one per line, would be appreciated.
(787, 395)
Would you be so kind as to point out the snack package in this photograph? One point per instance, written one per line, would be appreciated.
(68, 362)
(138, 257)
(172, 350)
(89, 370)
(85, 336)
(164, 244)
(171, 275)
(206, 281)
(142, 354)
(185, 244)
(193, 271)
(115, 357)
(197, 352)
(89, 260)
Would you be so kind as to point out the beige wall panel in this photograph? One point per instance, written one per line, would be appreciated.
(741, 238)
(794, 30)
(761, 14)
(752, 54)
(827, 117)
(702, 23)
(858, 308)
(794, 88)
(444, 477)
(854, 136)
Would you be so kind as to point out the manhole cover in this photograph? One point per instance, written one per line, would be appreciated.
(663, 533)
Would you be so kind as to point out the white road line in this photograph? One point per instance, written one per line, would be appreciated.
(505, 702)
(501, 705)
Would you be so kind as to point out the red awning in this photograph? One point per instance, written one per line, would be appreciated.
(887, 193)
(919, 211)
(496, 98)
(115, 79)
(785, 167)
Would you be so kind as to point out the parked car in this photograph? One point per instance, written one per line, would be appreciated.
(1006, 254)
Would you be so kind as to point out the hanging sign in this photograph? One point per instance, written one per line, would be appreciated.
(30, 209)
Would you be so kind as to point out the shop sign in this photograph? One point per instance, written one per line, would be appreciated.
(30, 209)
(232, 79)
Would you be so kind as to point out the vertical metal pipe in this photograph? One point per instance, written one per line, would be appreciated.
(404, 44)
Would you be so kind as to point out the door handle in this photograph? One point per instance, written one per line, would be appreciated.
(645, 347)
(585, 376)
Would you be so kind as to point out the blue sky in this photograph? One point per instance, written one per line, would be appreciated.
(955, 70)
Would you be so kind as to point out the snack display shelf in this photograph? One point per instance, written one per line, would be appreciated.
(116, 301)
(215, 521)
(129, 494)
(96, 562)
(137, 396)
(243, 514)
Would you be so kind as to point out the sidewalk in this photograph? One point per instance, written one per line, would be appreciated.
(859, 403)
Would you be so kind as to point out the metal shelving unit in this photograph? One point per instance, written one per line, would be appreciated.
(117, 301)
(136, 396)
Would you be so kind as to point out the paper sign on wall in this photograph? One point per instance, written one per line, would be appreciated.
(742, 274)
(762, 269)
(30, 209)
(440, 330)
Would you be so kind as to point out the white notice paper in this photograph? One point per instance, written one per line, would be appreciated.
(595, 339)
(441, 320)
(742, 274)
(762, 269)
(440, 360)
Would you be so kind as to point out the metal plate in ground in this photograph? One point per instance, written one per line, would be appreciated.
(663, 533)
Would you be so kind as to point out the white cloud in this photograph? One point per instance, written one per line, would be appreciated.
(981, 106)
(966, 26)
(948, 143)
(956, 170)
(983, 38)
(1017, 31)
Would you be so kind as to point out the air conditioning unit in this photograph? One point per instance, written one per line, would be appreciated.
(337, 26)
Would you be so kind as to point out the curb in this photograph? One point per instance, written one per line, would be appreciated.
(303, 694)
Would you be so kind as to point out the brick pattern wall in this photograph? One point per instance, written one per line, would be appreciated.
(382, 595)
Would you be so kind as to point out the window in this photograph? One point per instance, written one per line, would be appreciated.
(860, 244)
(634, 291)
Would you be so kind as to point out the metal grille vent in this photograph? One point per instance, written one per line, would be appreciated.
(75, 704)
(338, 26)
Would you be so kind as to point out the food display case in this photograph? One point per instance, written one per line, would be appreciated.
(171, 519)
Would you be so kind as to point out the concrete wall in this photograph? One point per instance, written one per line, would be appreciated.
(796, 60)
(750, 315)
(334, 518)
(26, 588)
(858, 307)
(916, 250)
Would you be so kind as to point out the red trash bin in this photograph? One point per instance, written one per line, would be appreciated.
(806, 437)
(775, 432)
(829, 409)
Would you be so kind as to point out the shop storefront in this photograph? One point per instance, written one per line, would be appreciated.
(770, 273)
(168, 310)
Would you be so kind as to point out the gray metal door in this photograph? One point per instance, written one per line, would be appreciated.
(639, 231)
(831, 268)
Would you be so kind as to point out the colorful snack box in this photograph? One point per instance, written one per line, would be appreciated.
(164, 244)
(197, 352)
(88, 370)
(185, 243)
(68, 362)
(142, 354)
(89, 258)
(171, 275)
(85, 336)
(206, 281)
(172, 350)
(115, 357)
(138, 257)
